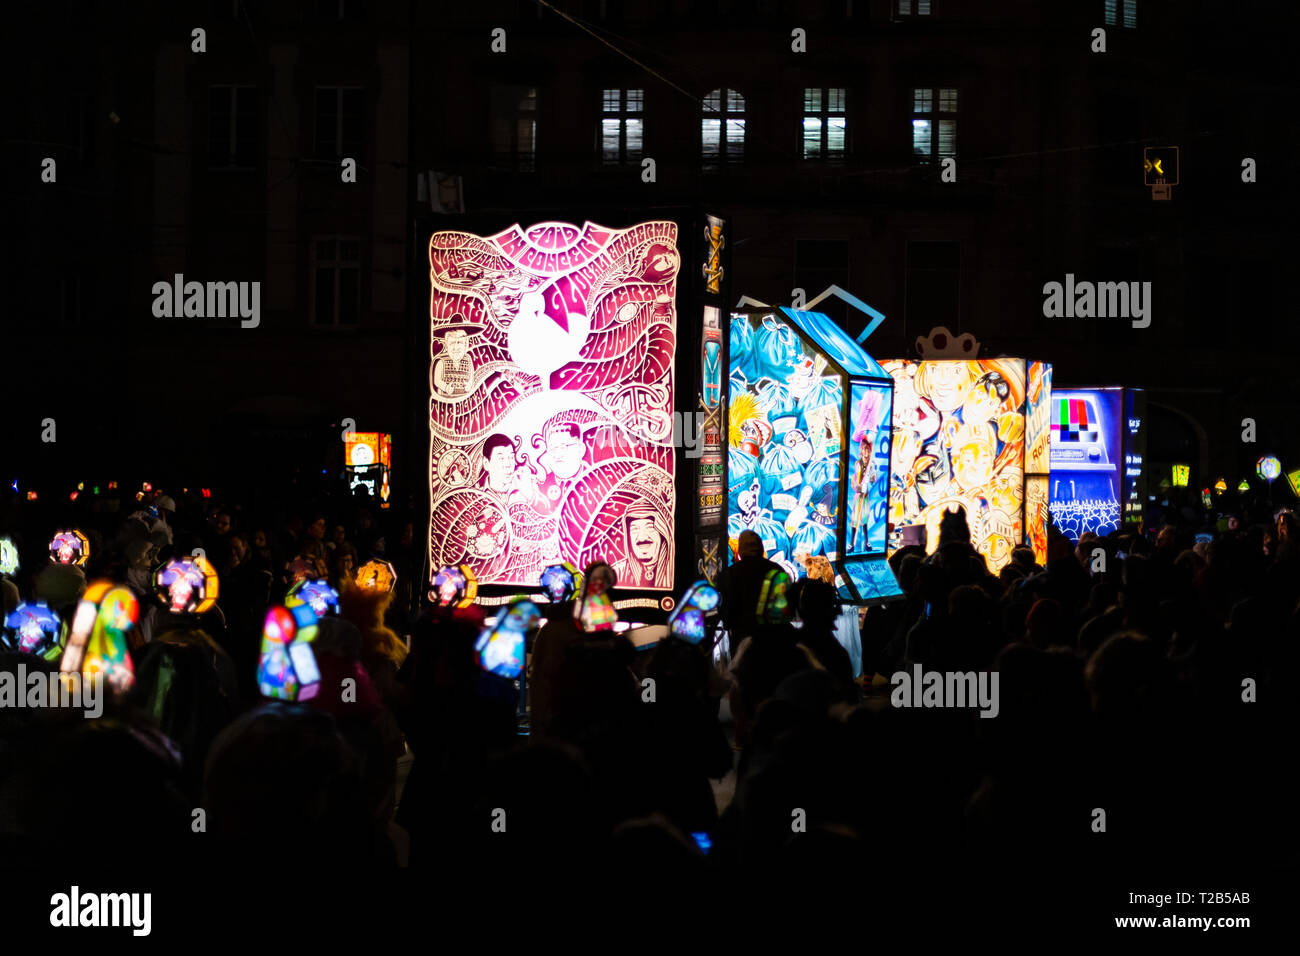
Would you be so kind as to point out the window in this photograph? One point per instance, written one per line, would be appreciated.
(232, 127)
(514, 127)
(933, 286)
(722, 129)
(907, 8)
(336, 267)
(934, 131)
(825, 123)
(338, 121)
(1122, 11)
(621, 126)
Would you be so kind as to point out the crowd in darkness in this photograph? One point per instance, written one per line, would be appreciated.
(1147, 676)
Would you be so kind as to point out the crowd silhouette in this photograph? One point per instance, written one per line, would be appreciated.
(1145, 677)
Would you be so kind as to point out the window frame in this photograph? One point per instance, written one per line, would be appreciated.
(622, 116)
(724, 117)
(934, 115)
(337, 264)
(824, 114)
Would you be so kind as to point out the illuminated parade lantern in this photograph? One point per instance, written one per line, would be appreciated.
(1268, 468)
(70, 547)
(368, 460)
(501, 646)
(376, 575)
(688, 620)
(593, 610)
(8, 557)
(973, 435)
(99, 639)
(317, 595)
(187, 585)
(455, 587)
(808, 458)
(1098, 446)
(560, 582)
(287, 668)
(1293, 479)
(33, 629)
(552, 361)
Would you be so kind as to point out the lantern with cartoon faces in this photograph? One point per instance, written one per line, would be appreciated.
(187, 585)
(70, 547)
(318, 595)
(32, 629)
(962, 433)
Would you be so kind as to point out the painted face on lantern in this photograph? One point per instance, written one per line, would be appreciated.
(645, 539)
(985, 398)
(973, 464)
(949, 383)
(564, 451)
(457, 343)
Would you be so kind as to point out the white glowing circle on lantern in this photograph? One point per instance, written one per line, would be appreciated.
(362, 454)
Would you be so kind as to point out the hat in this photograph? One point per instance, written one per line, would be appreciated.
(456, 323)
(750, 544)
(60, 585)
(165, 503)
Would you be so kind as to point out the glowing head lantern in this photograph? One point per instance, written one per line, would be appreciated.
(561, 582)
(8, 557)
(501, 647)
(1268, 468)
(287, 669)
(187, 585)
(773, 601)
(455, 586)
(317, 595)
(70, 547)
(376, 575)
(594, 609)
(32, 629)
(98, 642)
(687, 621)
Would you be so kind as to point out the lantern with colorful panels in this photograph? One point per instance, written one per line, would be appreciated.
(317, 595)
(8, 557)
(368, 461)
(99, 639)
(501, 646)
(1293, 479)
(70, 547)
(560, 582)
(455, 586)
(688, 621)
(808, 463)
(1244, 485)
(376, 575)
(1220, 486)
(187, 585)
(593, 608)
(971, 434)
(1268, 468)
(773, 605)
(287, 669)
(1098, 441)
(33, 629)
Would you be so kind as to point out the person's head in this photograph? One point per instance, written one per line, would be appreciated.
(457, 343)
(499, 461)
(223, 523)
(238, 549)
(750, 545)
(166, 508)
(564, 450)
(317, 528)
(339, 534)
(259, 538)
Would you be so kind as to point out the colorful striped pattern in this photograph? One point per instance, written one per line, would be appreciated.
(1072, 424)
